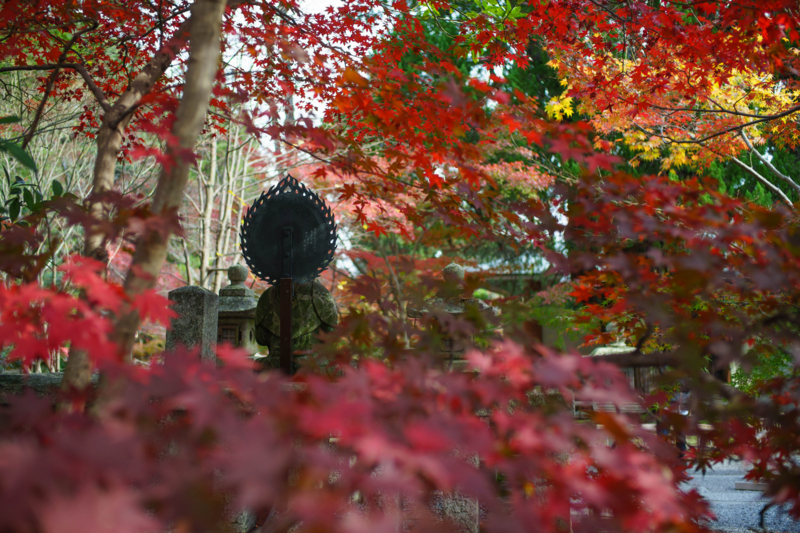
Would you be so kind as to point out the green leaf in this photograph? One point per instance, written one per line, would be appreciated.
(18, 153)
(58, 190)
(10, 119)
(14, 209)
(29, 201)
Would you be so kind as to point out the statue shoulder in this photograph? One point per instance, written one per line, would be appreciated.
(325, 305)
(266, 300)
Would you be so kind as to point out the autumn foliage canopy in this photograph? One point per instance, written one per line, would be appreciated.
(419, 148)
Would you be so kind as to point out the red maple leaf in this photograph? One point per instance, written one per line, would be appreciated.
(153, 307)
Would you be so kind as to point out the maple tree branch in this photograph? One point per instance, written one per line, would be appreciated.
(79, 68)
(771, 186)
(307, 152)
(172, 15)
(720, 107)
(40, 109)
(764, 118)
(441, 29)
(292, 22)
(395, 287)
(720, 111)
(767, 163)
(612, 14)
(330, 162)
(51, 80)
(144, 81)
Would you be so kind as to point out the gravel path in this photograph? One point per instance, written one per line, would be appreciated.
(737, 510)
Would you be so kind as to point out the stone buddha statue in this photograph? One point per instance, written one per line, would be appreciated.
(453, 301)
(313, 310)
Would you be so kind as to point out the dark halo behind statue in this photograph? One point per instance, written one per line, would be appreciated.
(288, 239)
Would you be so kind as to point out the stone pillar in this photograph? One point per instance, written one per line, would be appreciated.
(196, 323)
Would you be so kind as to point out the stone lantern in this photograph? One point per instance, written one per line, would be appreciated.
(237, 312)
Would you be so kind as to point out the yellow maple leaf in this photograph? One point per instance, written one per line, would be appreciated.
(558, 108)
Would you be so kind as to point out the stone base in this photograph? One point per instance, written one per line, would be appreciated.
(41, 384)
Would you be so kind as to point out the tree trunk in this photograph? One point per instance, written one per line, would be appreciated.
(208, 210)
(151, 248)
(78, 369)
(109, 141)
(109, 136)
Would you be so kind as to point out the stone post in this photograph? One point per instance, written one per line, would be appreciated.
(196, 323)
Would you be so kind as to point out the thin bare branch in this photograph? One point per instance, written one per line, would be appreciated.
(767, 162)
(765, 181)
